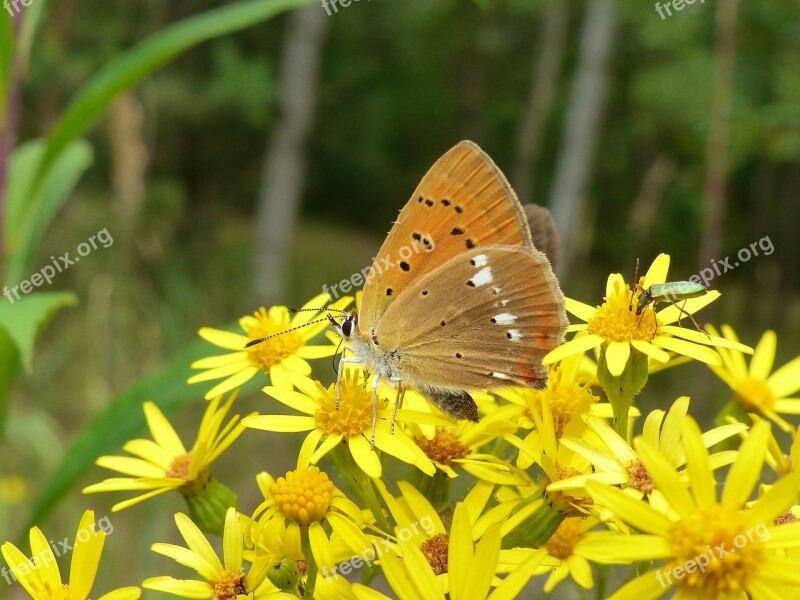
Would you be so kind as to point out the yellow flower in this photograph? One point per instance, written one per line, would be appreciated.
(568, 393)
(297, 505)
(616, 325)
(563, 548)
(351, 423)
(222, 580)
(713, 548)
(617, 463)
(164, 464)
(459, 446)
(754, 389)
(454, 566)
(40, 575)
(284, 353)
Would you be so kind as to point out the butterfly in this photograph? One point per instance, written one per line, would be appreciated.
(477, 309)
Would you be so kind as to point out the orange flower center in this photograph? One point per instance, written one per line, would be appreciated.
(717, 550)
(562, 542)
(354, 416)
(444, 448)
(435, 550)
(640, 478)
(271, 352)
(227, 585)
(564, 396)
(616, 318)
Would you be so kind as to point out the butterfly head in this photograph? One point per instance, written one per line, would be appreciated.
(347, 327)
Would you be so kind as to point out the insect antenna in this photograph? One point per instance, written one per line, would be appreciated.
(634, 284)
(297, 310)
(269, 337)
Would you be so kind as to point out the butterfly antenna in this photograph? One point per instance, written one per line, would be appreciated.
(297, 310)
(269, 337)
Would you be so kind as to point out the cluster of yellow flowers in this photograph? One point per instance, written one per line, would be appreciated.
(549, 484)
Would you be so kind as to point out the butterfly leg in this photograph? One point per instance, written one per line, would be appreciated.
(351, 360)
(398, 402)
(375, 379)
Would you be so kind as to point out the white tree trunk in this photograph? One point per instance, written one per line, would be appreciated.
(582, 126)
(283, 175)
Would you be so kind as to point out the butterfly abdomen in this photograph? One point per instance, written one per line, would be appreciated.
(456, 403)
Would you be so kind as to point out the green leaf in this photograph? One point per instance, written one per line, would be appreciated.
(33, 18)
(132, 66)
(6, 61)
(23, 318)
(28, 215)
(123, 420)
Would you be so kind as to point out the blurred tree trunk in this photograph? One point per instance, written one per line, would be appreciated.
(283, 174)
(544, 80)
(582, 126)
(718, 132)
(644, 210)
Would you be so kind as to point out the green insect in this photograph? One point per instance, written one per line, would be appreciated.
(667, 292)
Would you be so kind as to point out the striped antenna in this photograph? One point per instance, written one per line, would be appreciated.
(297, 310)
(269, 337)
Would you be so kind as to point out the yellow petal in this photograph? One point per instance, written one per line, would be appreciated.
(126, 593)
(479, 577)
(280, 423)
(308, 447)
(185, 588)
(776, 500)
(701, 353)
(657, 273)
(365, 456)
(579, 309)
(576, 345)
(420, 508)
(162, 431)
(85, 556)
(644, 587)
(328, 444)
(222, 360)
(672, 313)
(700, 475)
(666, 479)
(459, 553)
(224, 339)
(231, 383)
(639, 514)
(232, 542)
(786, 380)
(650, 350)
(43, 555)
(617, 354)
(746, 470)
(512, 585)
(134, 467)
(607, 547)
(187, 558)
(196, 541)
(764, 356)
(698, 337)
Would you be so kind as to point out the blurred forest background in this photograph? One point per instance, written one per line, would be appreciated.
(259, 166)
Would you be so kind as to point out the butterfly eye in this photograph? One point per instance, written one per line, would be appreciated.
(347, 326)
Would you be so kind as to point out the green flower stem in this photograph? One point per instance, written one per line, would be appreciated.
(622, 389)
(360, 485)
(311, 564)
